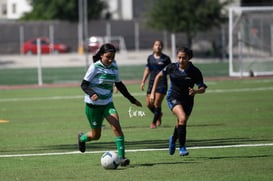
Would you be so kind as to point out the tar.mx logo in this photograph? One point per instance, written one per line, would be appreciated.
(135, 113)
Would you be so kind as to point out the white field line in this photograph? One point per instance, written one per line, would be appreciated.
(135, 94)
(136, 150)
(40, 98)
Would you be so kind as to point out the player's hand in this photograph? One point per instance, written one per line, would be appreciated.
(142, 86)
(94, 97)
(192, 92)
(152, 98)
(137, 103)
(115, 90)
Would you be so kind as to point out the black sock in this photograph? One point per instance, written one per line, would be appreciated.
(175, 136)
(181, 132)
(152, 109)
(157, 113)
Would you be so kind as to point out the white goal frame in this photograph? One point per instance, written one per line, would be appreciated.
(117, 39)
(241, 49)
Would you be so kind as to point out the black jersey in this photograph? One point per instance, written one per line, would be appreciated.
(155, 65)
(182, 80)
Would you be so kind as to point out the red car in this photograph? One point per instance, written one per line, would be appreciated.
(30, 47)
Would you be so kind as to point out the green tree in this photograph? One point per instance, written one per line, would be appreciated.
(186, 16)
(62, 10)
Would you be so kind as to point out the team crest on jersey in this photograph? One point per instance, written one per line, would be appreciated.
(174, 101)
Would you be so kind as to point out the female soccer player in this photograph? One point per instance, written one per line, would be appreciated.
(183, 76)
(155, 63)
(98, 85)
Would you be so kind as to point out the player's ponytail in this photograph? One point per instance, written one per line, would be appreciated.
(107, 47)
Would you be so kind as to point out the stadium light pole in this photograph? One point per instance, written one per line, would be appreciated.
(173, 42)
(83, 29)
(21, 35)
(39, 62)
(80, 29)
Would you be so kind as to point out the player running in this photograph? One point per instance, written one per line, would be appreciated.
(98, 87)
(183, 76)
(155, 63)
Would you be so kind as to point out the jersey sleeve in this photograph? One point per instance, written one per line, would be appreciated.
(167, 70)
(148, 64)
(199, 81)
(168, 60)
(117, 71)
(89, 75)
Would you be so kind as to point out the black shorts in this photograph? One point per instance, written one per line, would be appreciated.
(161, 90)
(187, 106)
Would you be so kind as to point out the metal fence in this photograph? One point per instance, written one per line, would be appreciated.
(136, 35)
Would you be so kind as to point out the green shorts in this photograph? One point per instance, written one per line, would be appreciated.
(95, 114)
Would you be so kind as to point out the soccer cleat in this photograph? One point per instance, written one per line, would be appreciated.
(183, 151)
(124, 162)
(81, 145)
(152, 126)
(171, 146)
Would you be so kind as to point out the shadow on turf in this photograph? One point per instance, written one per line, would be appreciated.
(98, 145)
(171, 126)
(153, 144)
(235, 157)
(162, 163)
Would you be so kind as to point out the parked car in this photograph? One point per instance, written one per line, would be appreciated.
(30, 47)
(96, 41)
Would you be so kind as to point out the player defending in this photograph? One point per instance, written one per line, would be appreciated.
(155, 63)
(183, 76)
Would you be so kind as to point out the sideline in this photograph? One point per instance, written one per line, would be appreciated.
(137, 150)
(134, 94)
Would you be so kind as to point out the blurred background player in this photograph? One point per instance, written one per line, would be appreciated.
(98, 84)
(155, 63)
(183, 76)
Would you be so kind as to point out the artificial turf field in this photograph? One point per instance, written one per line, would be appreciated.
(229, 136)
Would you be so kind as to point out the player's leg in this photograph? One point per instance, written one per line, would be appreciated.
(149, 104)
(112, 117)
(181, 131)
(157, 104)
(151, 107)
(95, 118)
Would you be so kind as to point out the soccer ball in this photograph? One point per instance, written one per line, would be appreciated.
(110, 160)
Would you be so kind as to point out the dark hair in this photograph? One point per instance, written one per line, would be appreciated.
(107, 47)
(161, 43)
(188, 51)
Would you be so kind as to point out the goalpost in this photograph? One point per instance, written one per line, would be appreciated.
(250, 41)
(118, 41)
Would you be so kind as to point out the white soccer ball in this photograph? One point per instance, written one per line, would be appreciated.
(110, 160)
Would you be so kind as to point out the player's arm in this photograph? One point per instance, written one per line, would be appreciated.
(200, 90)
(200, 83)
(144, 77)
(158, 76)
(124, 91)
(85, 87)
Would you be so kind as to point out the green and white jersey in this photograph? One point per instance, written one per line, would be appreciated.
(101, 80)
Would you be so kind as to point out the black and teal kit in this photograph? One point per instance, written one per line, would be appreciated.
(180, 82)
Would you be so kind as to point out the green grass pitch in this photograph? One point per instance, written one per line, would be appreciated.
(47, 120)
